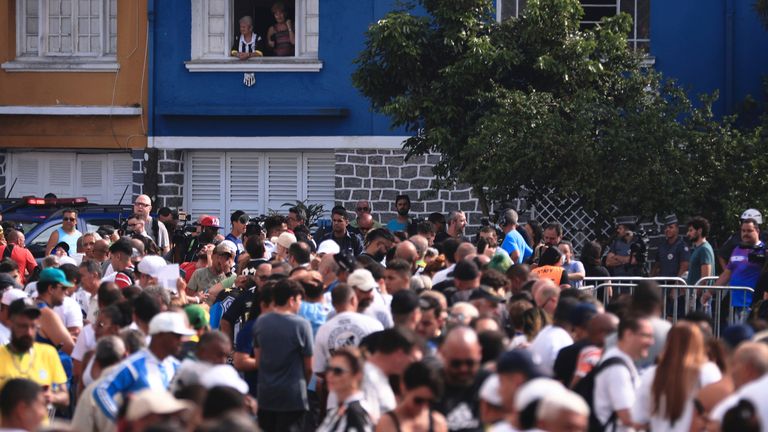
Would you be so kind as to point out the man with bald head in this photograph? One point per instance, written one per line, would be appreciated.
(461, 355)
(749, 372)
(407, 252)
(463, 250)
(363, 211)
(156, 230)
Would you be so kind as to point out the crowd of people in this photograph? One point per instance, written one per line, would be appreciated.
(404, 326)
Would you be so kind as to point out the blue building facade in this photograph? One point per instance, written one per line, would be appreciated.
(302, 131)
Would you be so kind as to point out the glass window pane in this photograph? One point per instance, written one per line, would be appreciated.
(66, 44)
(95, 44)
(54, 44)
(66, 7)
(82, 25)
(66, 26)
(32, 7)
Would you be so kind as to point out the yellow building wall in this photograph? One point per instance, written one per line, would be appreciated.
(125, 87)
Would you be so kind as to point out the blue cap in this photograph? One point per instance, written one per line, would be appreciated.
(52, 274)
(734, 335)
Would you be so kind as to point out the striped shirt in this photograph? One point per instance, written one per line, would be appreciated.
(248, 47)
(140, 371)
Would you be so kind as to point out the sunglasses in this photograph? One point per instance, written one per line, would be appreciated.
(457, 363)
(68, 219)
(337, 370)
(418, 400)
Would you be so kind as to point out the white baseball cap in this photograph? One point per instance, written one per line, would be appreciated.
(152, 401)
(151, 265)
(227, 247)
(170, 322)
(489, 391)
(11, 295)
(286, 239)
(223, 376)
(534, 390)
(362, 280)
(328, 247)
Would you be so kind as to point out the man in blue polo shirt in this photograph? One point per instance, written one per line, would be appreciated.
(513, 244)
(740, 271)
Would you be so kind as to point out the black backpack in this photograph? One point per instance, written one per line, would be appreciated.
(586, 389)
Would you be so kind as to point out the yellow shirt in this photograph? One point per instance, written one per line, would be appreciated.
(41, 364)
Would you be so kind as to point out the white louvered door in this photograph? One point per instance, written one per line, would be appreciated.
(255, 182)
(102, 178)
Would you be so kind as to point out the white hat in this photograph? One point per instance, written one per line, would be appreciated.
(153, 401)
(362, 280)
(170, 322)
(752, 214)
(286, 239)
(534, 390)
(489, 391)
(151, 265)
(67, 260)
(11, 295)
(223, 376)
(226, 246)
(328, 247)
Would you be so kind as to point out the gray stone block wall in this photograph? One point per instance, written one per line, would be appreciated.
(170, 190)
(380, 175)
(138, 172)
(3, 162)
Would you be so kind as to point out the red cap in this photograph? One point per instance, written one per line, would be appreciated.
(210, 221)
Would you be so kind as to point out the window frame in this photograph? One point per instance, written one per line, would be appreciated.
(307, 19)
(44, 60)
(633, 38)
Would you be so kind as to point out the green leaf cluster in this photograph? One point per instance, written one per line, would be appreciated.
(537, 102)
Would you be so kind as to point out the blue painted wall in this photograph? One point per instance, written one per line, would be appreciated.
(689, 39)
(691, 42)
(342, 25)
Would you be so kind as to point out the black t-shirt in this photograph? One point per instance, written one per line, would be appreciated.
(565, 363)
(238, 311)
(461, 405)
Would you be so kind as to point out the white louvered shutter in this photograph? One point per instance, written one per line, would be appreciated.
(61, 175)
(91, 178)
(319, 179)
(120, 177)
(283, 181)
(206, 184)
(27, 177)
(244, 191)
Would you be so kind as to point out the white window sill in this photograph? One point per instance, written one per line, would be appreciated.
(261, 64)
(648, 61)
(54, 64)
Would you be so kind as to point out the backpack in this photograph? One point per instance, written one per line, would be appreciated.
(586, 389)
(8, 251)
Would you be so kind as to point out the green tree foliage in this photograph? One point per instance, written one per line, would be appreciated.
(536, 102)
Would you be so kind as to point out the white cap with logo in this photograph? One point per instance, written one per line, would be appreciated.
(170, 322)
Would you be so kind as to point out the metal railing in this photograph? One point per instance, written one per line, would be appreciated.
(676, 286)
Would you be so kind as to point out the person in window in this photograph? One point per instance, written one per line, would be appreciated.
(280, 36)
(248, 43)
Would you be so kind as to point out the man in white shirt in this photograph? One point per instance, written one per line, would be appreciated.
(69, 311)
(748, 369)
(554, 337)
(9, 296)
(346, 328)
(615, 386)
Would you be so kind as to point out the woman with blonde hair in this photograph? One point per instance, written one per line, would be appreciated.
(666, 393)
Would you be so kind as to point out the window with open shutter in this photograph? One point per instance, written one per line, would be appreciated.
(282, 179)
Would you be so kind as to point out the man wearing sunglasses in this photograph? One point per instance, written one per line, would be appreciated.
(461, 354)
(363, 211)
(66, 233)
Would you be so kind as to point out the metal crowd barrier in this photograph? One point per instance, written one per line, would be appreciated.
(690, 292)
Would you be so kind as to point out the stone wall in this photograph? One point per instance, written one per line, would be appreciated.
(159, 173)
(380, 175)
(3, 162)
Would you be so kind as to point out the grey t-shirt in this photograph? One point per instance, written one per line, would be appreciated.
(285, 340)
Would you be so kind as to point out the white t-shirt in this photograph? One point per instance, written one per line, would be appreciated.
(31, 290)
(83, 298)
(5, 334)
(344, 329)
(545, 346)
(442, 274)
(615, 388)
(85, 342)
(503, 426)
(70, 313)
(642, 411)
(379, 397)
(755, 392)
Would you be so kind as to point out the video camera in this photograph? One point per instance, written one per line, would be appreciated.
(756, 254)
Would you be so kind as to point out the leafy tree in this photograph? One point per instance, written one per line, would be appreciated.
(538, 103)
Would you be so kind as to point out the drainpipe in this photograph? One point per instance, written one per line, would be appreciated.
(728, 90)
(151, 177)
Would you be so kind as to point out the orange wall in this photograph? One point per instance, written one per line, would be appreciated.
(78, 88)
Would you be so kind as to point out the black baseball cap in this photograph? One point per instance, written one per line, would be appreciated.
(519, 360)
(239, 216)
(466, 270)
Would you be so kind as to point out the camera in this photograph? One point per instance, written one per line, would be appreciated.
(638, 249)
(757, 254)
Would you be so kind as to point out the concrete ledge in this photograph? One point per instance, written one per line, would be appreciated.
(380, 142)
(262, 64)
(69, 110)
(60, 65)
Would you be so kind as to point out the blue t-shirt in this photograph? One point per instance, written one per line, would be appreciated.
(244, 344)
(513, 241)
(315, 313)
(394, 225)
(743, 273)
(238, 243)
